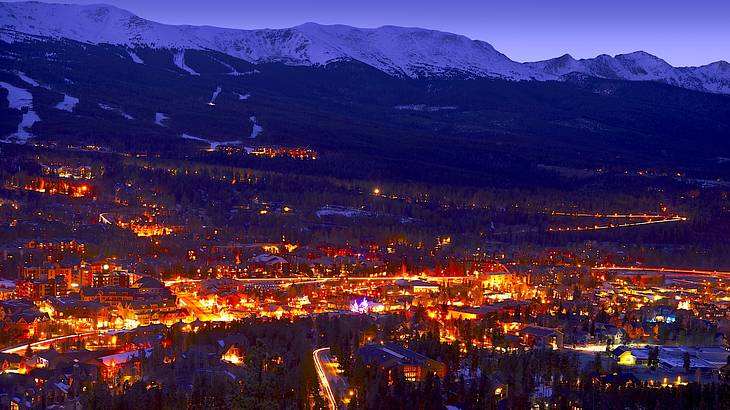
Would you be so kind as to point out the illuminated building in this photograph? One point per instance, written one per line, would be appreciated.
(123, 367)
(294, 152)
(496, 280)
(58, 187)
(110, 278)
(61, 245)
(394, 359)
(418, 286)
(541, 337)
(48, 271)
(39, 289)
(233, 355)
(147, 312)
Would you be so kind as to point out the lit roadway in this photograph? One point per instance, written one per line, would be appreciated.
(21, 347)
(189, 302)
(615, 215)
(671, 271)
(104, 219)
(619, 225)
(648, 219)
(304, 281)
(333, 384)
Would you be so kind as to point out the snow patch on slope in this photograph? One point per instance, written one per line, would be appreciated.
(135, 58)
(256, 129)
(68, 103)
(424, 107)
(215, 95)
(179, 59)
(336, 210)
(212, 145)
(22, 100)
(231, 70)
(119, 111)
(160, 119)
(28, 80)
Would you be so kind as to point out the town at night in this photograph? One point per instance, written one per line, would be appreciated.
(338, 218)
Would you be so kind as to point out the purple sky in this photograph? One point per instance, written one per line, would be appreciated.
(683, 32)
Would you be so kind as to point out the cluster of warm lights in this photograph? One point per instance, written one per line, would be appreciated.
(295, 153)
(56, 187)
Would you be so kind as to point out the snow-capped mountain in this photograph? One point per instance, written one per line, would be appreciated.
(642, 66)
(398, 51)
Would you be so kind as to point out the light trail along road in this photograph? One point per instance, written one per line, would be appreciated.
(302, 281)
(645, 219)
(21, 347)
(333, 384)
(669, 271)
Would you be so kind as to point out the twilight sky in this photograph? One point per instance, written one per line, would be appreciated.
(683, 32)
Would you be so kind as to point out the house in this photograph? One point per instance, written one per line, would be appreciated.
(18, 391)
(107, 294)
(92, 313)
(233, 354)
(470, 312)
(123, 366)
(145, 312)
(609, 333)
(626, 356)
(417, 286)
(396, 360)
(497, 280)
(10, 362)
(541, 337)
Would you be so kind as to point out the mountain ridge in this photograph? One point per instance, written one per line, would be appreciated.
(397, 51)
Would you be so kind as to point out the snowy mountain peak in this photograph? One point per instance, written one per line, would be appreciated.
(398, 51)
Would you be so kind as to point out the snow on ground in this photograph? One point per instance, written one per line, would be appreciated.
(135, 58)
(424, 107)
(191, 137)
(335, 210)
(21, 99)
(256, 129)
(216, 144)
(213, 145)
(160, 119)
(179, 59)
(67, 104)
(23, 134)
(231, 70)
(215, 95)
(28, 80)
(119, 111)
(242, 96)
(7, 283)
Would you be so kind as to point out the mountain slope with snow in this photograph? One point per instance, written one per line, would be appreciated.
(398, 51)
